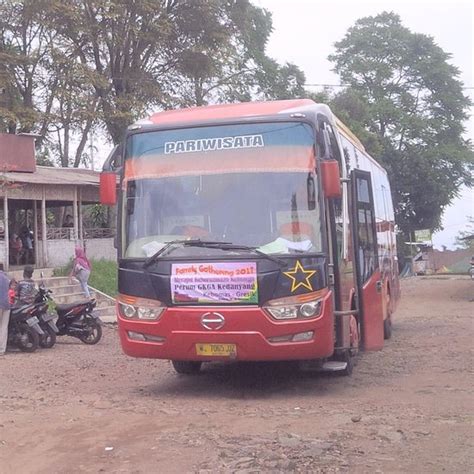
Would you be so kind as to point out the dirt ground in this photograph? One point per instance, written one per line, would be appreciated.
(409, 408)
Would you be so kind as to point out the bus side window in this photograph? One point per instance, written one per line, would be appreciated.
(329, 148)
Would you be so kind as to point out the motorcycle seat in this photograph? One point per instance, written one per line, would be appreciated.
(20, 309)
(63, 308)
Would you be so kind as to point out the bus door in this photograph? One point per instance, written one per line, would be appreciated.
(368, 275)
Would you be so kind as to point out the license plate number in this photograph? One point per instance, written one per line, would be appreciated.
(32, 321)
(216, 349)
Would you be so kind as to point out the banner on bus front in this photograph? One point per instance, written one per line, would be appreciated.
(214, 282)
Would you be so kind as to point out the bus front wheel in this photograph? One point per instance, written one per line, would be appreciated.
(387, 328)
(186, 367)
(387, 323)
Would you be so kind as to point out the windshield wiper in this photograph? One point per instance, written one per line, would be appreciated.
(231, 246)
(182, 243)
(210, 244)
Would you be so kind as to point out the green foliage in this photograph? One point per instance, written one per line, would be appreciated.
(64, 270)
(43, 158)
(406, 103)
(465, 238)
(104, 275)
(96, 215)
(22, 64)
(69, 67)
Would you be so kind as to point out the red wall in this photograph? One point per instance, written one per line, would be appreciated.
(17, 153)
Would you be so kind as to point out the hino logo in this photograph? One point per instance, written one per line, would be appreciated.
(212, 321)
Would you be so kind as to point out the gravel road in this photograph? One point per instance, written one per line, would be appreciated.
(409, 408)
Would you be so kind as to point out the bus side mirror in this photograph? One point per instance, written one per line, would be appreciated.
(108, 177)
(108, 188)
(330, 179)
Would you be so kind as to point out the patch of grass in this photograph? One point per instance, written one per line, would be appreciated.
(63, 271)
(103, 275)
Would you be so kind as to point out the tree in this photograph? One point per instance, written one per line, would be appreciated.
(43, 91)
(24, 45)
(219, 49)
(413, 117)
(465, 238)
(74, 112)
(68, 67)
(144, 54)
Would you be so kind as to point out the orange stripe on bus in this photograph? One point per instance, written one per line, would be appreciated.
(277, 159)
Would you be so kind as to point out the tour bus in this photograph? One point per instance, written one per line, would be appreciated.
(258, 231)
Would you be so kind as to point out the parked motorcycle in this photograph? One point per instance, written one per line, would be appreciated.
(78, 319)
(24, 330)
(39, 309)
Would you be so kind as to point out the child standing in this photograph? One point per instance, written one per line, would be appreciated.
(12, 291)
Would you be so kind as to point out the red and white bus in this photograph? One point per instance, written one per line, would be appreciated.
(255, 231)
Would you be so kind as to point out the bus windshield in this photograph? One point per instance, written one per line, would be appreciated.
(251, 184)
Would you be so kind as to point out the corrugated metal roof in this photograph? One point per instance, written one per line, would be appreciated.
(50, 175)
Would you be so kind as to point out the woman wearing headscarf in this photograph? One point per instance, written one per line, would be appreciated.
(81, 269)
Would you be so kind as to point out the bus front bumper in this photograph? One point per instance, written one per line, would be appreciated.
(248, 333)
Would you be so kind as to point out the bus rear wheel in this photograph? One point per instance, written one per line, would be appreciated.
(186, 367)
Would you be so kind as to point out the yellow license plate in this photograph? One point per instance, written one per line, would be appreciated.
(216, 349)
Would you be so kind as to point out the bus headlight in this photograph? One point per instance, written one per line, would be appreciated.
(310, 310)
(139, 308)
(294, 308)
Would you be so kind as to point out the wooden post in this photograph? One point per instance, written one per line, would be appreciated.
(74, 215)
(44, 248)
(6, 233)
(81, 230)
(35, 232)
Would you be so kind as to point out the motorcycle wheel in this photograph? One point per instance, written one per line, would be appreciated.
(28, 339)
(48, 340)
(95, 333)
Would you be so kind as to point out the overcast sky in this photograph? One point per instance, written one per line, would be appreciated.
(305, 32)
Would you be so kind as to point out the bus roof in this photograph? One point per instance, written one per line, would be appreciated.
(228, 111)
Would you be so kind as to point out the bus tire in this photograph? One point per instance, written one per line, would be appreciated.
(186, 367)
(387, 323)
(387, 328)
(350, 361)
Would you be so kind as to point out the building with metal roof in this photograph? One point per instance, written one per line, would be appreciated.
(47, 205)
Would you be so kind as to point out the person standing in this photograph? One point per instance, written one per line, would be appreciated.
(81, 269)
(4, 310)
(27, 241)
(68, 222)
(16, 248)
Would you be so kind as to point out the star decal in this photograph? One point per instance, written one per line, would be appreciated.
(300, 277)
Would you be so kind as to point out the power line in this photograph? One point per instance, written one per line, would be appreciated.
(327, 85)
(348, 85)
